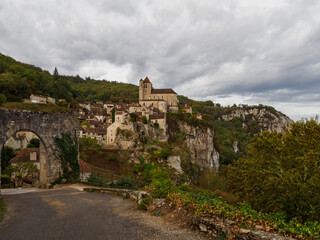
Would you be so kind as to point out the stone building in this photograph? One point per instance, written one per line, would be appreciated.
(147, 92)
(27, 155)
(41, 99)
(186, 108)
(160, 119)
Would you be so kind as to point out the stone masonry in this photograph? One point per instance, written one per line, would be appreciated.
(46, 126)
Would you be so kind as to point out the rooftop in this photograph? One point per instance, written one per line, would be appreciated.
(164, 90)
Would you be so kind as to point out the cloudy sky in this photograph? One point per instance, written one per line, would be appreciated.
(230, 51)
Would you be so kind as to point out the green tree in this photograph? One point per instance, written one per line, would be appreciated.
(34, 143)
(55, 74)
(6, 155)
(281, 172)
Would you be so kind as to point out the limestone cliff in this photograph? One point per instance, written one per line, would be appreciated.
(201, 143)
(266, 118)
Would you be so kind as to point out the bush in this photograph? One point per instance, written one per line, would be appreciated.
(111, 158)
(144, 119)
(5, 180)
(3, 99)
(133, 117)
(144, 203)
(97, 181)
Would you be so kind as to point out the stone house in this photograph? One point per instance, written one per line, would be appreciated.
(155, 103)
(86, 105)
(38, 99)
(98, 114)
(147, 92)
(159, 118)
(41, 99)
(187, 109)
(27, 155)
(112, 130)
(108, 106)
(121, 116)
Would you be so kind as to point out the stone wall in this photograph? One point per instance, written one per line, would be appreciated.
(215, 226)
(46, 126)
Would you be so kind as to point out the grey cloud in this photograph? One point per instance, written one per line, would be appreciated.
(199, 48)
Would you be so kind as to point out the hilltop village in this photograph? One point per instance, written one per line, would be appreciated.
(103, 121)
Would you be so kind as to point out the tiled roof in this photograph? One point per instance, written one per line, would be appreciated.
(146, 80)
(164, 90)
(24, 155)
(156, 116)
(84, 167)
(153, 100)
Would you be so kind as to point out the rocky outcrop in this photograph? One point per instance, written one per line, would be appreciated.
(201, 143)
(267, 118)
(175, 163)
(215, 226)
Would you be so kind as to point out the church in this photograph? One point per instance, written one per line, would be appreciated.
(164, 99)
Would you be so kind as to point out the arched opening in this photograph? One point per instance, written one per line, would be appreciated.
(23, 160)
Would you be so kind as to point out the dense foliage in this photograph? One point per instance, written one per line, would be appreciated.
(19, 80)
(66, 150)
(281, 172)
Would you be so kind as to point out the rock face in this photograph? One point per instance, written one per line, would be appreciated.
(266, 117)
(175, 163)
(201, 143)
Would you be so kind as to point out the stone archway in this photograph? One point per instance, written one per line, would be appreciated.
(46, 126)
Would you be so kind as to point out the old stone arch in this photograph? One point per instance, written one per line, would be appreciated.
(46, 126)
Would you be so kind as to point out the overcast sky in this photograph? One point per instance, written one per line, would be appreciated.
(230, 51)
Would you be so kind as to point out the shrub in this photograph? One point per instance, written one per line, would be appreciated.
(97, 181)
(5, 180)
(144, 203)
(3, 99)
(133, 117)
(111, 158)
(144, 119)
